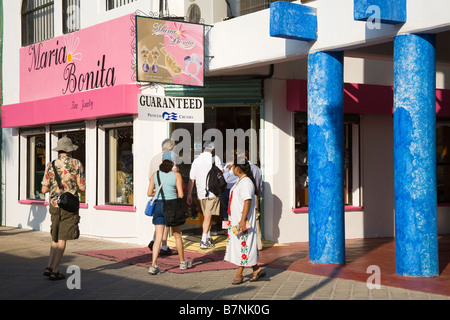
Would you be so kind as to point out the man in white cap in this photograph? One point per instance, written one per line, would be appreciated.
(209, 202)
(64, 223)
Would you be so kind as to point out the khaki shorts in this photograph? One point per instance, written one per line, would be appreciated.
(64, 224)
(210, 206)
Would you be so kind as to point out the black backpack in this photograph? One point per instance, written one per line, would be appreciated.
(215, 181)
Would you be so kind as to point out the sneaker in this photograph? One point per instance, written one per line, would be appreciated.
(207, 244)
(185, 265)
(154, 270)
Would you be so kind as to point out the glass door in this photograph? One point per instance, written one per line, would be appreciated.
(230, 127)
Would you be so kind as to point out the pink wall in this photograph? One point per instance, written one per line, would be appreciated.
(361, 98)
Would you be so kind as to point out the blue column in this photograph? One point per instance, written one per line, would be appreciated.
(326, 157)
(415, 156)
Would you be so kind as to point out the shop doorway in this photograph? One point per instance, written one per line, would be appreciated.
(234, 126)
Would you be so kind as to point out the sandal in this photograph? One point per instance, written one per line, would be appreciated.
(48, 271)
(57, 276)
(259, 275)
(238, 281)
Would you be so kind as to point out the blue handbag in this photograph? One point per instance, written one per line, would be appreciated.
(151, 203)
(150, 207)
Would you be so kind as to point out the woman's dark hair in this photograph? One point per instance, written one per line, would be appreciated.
(245, 168)
(166, 166)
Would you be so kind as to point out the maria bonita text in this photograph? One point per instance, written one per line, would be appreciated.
(101, 77)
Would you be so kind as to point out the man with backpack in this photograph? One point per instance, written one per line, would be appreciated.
(207, 176)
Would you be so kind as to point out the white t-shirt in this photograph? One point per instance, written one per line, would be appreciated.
(199, 170)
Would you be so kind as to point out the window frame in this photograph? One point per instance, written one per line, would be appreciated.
(103, 164)
(194, 13)
(355, 193)
(243, 7)
(24, 168)
(37, 23)
(114, 4)
(440, 123)
(69, 4)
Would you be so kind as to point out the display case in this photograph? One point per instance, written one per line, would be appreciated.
(301, 160)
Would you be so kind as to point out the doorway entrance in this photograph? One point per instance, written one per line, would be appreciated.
(229, 127)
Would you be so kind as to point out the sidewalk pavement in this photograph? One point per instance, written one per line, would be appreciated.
(24, 255)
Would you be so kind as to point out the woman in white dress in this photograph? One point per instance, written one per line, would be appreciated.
(242, 247)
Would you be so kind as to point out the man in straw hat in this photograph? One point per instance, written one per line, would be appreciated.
(64, 224)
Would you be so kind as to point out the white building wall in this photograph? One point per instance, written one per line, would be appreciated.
(242, 45)
(280, 223)
(245, 41)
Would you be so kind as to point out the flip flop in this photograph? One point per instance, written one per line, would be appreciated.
(238, 281)
(259, 275)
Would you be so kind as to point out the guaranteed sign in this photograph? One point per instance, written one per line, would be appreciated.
(171, 109)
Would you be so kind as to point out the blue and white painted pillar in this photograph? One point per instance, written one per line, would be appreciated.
(326, 157)
(415, 155)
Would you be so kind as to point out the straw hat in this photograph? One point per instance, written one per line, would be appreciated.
(65, 144)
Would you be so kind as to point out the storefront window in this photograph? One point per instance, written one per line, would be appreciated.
(351, 153)
(36, 165)
(443, 162)
(77, 133)
(301, 160)
(119, 177)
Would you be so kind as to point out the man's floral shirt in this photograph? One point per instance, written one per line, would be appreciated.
(71, 173)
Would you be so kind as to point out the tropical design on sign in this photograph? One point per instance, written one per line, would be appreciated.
(169, 51)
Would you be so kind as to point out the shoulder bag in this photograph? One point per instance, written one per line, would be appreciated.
(151, 203)
(66, 200)
(173, 210)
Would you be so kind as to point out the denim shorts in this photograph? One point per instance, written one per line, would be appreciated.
(159, 216)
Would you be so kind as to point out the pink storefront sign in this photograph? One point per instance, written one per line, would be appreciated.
(96, 57)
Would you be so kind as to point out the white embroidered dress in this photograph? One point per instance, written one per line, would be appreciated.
(242, 250)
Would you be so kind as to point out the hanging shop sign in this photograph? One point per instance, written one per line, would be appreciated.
(170, 52)
(171, 109)
(97, 57)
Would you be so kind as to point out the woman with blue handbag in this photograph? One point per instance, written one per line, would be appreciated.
(172, 188)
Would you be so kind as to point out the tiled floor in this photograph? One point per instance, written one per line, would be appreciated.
(360, 254)
(24, 254)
